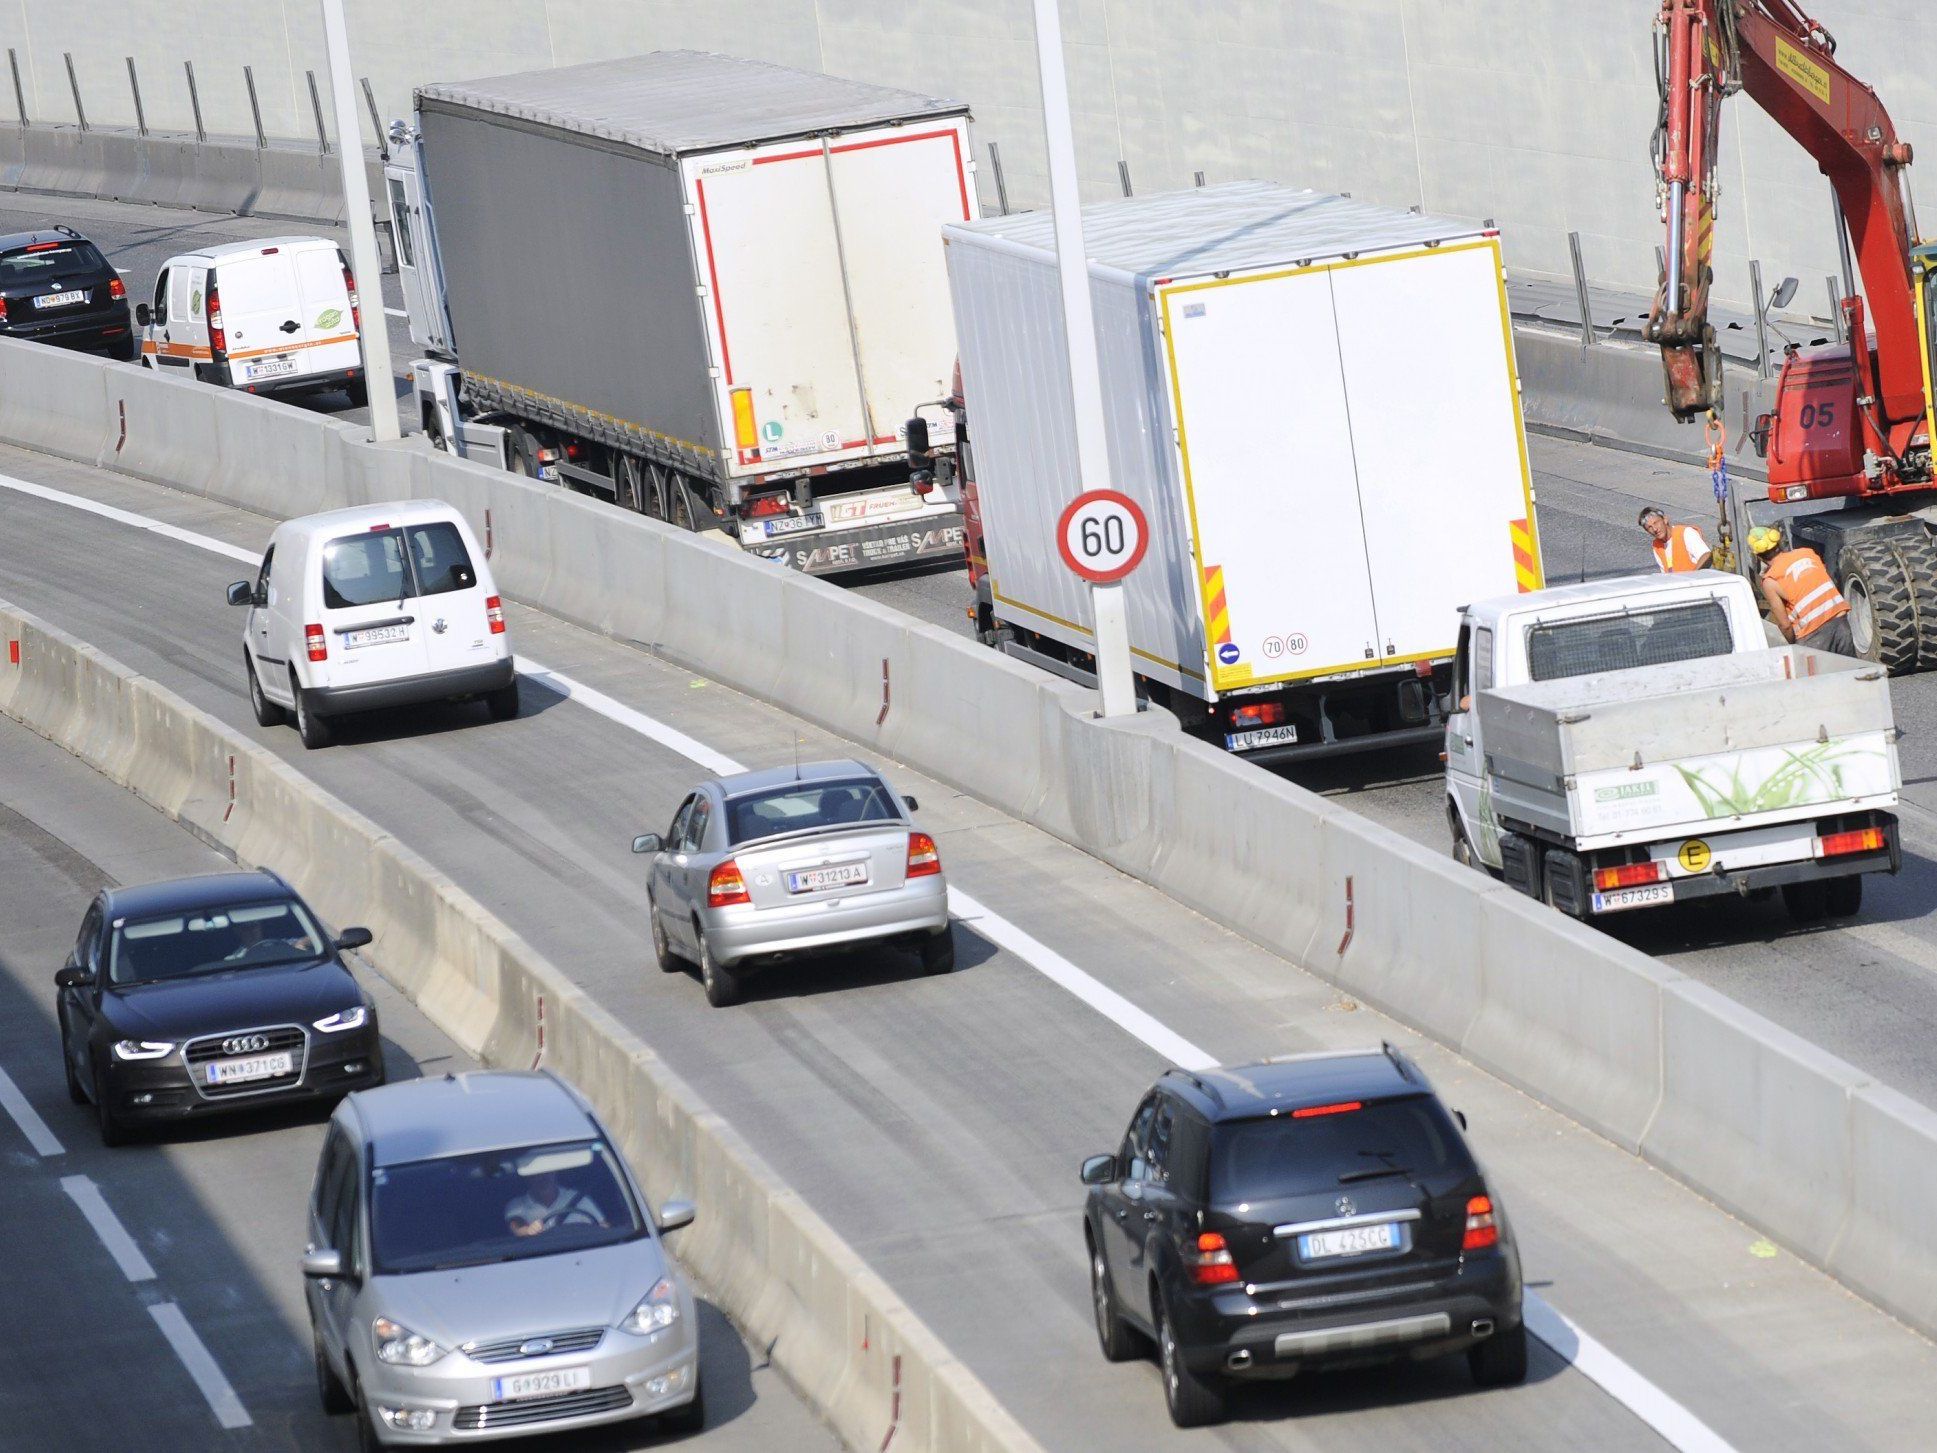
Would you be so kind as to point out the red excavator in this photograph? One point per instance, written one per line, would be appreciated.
(1848, 443)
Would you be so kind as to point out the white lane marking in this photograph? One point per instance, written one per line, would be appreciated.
(1601, 1366)
(201, 1365)
(121, 1246)
(43, 1140)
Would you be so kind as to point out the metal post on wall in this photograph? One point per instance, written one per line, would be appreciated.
(376, 119)
(1001, 182)
(80, 112)
(1580, 290)
(19, 92)
(1123, 176)
(1835, 307)
(195, 101)
(1200, 178)
(134, 85)
(255, 106)
(316, 105)
(1761, 319)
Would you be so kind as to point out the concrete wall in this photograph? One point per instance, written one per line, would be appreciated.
(1533, 112)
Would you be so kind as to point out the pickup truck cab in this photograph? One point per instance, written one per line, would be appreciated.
(1633, 742)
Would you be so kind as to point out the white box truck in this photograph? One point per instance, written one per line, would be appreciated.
(707, 288)
(1635, 742)
(1315, 403)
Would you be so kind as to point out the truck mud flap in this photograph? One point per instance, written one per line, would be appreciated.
(894, 542)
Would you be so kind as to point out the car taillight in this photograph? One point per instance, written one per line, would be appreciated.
(923, 860)
(117, 288)
(1259, 714)
(3, 310)
(767, 504)
(1481, 1232)
(1342, 1107)
(1859, 840)
(349, 286)
(1628, 875)
(218, 340)
(319, 649)
(725, 886)
(1210, 1261)
(494, 613)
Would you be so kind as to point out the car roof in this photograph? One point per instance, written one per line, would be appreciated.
(28, 239)
(770, 777)
(177, 895)
(332, 523)
(463, 1114)
(1615, 593)
(228, 251)
(1239, 1092)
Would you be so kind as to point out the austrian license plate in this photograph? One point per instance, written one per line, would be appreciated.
(272, 368)
(540, 1384)
(815, 880)
(254, 1067)
(1277, 736)
(1634, 897)
(376, 635)
(1348, 1241)
(60, 300)
(793, 524)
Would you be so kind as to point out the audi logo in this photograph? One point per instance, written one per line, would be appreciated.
(245, 1044)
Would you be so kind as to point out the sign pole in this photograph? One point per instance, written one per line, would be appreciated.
(1115, 686)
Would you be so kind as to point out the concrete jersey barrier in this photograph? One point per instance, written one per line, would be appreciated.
(1796, 1142)
(836, 1331)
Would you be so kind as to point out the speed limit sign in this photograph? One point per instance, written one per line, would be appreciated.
(1102, 535)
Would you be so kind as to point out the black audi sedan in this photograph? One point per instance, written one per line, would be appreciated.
(203, 995)
(56, 287)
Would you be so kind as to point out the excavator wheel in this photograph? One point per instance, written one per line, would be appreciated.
(1919, 554)
(1880, 587)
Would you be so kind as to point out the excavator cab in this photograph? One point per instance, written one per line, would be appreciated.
(1923, 268)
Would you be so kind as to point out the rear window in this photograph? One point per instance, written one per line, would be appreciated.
(1257, 1160)
(256, 285)
(21, 267)
(385, 565)
(804, 805)
(1633, 638)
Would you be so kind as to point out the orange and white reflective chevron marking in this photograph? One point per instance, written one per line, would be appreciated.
(177, 350)
(1216, 612)
(292, 347)
(1526, 564)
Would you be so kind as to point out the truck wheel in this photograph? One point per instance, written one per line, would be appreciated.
(1843, 897)
(357, 390)
(313, 729)
(1883, 604)
(1463, 853)
(685, 512)
(1919, 554)
(522, 455)
(1807, 902)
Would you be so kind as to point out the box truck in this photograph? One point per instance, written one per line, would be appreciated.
(708, 289)
(1314, 402)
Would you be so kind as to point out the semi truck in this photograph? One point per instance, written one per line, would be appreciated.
(1635, 742)
(707, 289)
(1313, 400)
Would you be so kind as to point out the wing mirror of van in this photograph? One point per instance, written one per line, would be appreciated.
(1099, 1170)
(143, 315)
(242, 593)
(74, 976)
(354, 938)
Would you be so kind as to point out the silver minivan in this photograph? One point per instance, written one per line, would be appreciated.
(481, 1264)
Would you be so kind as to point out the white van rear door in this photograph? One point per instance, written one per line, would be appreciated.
(451, 595)
(261, 314)
(329, 335)
(373, 629)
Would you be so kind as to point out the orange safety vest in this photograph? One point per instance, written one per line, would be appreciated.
(1802, 580)
(1683, 547)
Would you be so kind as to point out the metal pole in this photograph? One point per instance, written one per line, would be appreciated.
(1123, 176)
(1843, 247)
(316, 105)
(255, 106)
(1761, 319)
(363, 233)
(73, 85)
(1115, 686)
(1200, 178)
(376, 119)
(1835, 307)
(19, 94)
(134, 85)
(1673, 267)
(1580, 290)
(195, 102)
(1001, 183)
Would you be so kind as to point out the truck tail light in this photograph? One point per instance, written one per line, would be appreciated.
(319, 649)
(117, 288)
(1481, 1230)
(763, 505)
(725, 886)
(218, 339)
(746, 434)
(923, 860)
(349, 286)
(1258, 714)
(1859, 840)
(1210, 1261)
(1628, 875)
(494, 613)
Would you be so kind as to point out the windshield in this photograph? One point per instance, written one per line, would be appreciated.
(1633, 638)
(500, 1205)
(44, 261)
(800, 806)
(373, 567)
(213, 940)
(1260, 1160)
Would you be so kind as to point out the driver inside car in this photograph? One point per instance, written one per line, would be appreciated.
(546, 1203)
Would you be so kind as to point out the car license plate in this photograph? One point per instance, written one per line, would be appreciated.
(793, 524)
(60, 300)
(1277, 736)
(273, 368)
(540, 1384)
(1348, 1241)
(1634, 897)
(814, 880)
(255, 1067)
(376, 635)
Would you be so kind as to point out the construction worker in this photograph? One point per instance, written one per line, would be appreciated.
(1677, 547)
(1803, 601)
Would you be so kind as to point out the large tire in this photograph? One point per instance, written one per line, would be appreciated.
(1501, 1360)
(503, 703)
(1118, 1341)
(938, 953)
(1806, 902)
(722, 984)
(267, 713)
(1193, 1401)
(1843, 897)
(1919, 555)
(1879, 586)
(330, 1391)
(1463, 853)
(313, 729)
(358, 392)
(366, 1420)
(685, 510)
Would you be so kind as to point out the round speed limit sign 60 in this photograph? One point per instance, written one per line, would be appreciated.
(1103, 535)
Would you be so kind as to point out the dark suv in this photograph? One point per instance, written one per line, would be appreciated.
(1315, 1211)
(56, 287)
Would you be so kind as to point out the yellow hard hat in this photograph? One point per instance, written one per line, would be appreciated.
(1763, 539)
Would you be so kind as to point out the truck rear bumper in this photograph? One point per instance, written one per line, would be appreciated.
(867, 547)
(1745, 881)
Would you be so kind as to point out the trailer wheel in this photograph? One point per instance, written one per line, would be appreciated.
(1878, 584)
(685, 512)
(1919, 555)
(521, 453)
(1807, 902)
(1844, 896)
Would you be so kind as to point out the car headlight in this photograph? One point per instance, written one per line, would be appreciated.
(396, 1343)
(143, 1048)
(354, 1018)
(655, 1313)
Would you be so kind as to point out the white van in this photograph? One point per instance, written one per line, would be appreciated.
(277, 316)
(378, 606)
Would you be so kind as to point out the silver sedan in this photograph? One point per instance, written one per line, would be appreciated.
(767, 866)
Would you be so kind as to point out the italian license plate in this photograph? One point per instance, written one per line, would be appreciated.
(815, 880)
(1277, 736)
(272, 368)
(540, 1384)
(1634, 897)
(60, 300)
(1348, 1241)
(793, 524)
(376, 635)
(254, 1067)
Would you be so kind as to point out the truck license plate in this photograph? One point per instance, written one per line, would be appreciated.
(1634, 897)
(1277, 736)
(59, 300)
(793, 524)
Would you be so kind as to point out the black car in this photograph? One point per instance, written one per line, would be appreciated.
(204, 995)
(1315, 1211)
(56, 287)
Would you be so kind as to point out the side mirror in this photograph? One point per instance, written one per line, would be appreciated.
(354, 938)
(1460, 1115)
(143, 315)
(648, 842)
(1099, 1170)
(675, 1214)
(1784, 293)
(74, 976)
(242, 593)
(323, 1263)
(911, 804)
(917, 436)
